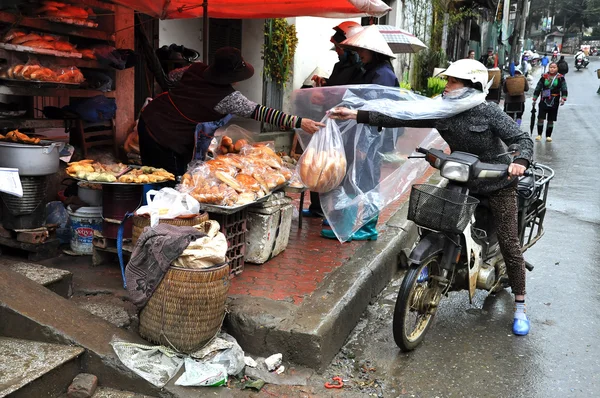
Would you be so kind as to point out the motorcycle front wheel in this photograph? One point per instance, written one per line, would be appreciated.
(417, 302)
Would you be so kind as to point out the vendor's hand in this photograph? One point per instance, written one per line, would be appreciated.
(342, 113)
(562, 101)
(321, 81)
(310, 126)
(516, 170)
(534, 100)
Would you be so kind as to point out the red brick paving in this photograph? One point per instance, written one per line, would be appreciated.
(308, 259)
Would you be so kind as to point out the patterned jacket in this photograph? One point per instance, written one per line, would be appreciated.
(556, 83)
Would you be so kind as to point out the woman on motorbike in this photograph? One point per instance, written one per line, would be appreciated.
(482, 130)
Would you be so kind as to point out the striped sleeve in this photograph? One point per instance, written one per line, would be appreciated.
(276, 117)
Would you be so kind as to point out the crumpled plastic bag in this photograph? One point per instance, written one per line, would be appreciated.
(223, 350)
(168, 204)
(201, 374)
(156, 364)
(207, 251)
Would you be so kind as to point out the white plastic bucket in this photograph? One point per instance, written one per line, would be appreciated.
(84, 221)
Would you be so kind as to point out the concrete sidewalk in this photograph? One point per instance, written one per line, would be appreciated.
(305, 302)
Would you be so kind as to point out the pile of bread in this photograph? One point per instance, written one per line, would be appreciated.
(227, 145)
(45, 41)
(37, 72)
(66, 13)
(236, 179)
(17, 136)
(91, 170)
(321, 171)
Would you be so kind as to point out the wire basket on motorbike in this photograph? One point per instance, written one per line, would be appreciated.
(440, 209)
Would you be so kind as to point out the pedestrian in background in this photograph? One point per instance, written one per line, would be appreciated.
(471, 54)
(544, 62)
(552, 88)
(515, 104)
(563, 67)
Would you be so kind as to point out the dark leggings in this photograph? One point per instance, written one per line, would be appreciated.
(504, 206)
(155, 155)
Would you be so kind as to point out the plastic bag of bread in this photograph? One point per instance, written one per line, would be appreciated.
(322, 166)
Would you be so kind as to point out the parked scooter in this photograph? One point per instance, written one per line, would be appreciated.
(458, 247)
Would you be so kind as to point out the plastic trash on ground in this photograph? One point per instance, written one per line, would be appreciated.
(200, 374)
(168, 203)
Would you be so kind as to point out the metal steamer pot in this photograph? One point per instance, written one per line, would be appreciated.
(31, 160)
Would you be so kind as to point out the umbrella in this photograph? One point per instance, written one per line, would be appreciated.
(400, 40)
(533, 120)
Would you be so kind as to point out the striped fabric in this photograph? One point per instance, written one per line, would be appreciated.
(276, 117)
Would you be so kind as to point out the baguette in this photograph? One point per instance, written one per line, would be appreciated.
(40, 43)
(229, 180)
(22, 39)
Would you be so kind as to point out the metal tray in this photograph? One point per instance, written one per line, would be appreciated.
(232, 209)
(118, 183)
(42, 51)
(36, 83)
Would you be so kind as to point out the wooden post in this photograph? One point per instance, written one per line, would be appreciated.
(125, 79)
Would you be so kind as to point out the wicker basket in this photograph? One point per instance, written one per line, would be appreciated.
(515, 85)
(598, 73)
(187, 308)
(143, 221)
(497, 75)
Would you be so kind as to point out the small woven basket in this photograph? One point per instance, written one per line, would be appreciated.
(497, 75)
(187, 308)
(515, 85)
(142, 221)
(598, 73)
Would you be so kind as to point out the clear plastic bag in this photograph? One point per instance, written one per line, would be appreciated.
(378, 169)
(322, 166)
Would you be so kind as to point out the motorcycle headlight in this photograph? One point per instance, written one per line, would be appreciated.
(455, 171)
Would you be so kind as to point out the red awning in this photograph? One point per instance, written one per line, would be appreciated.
(243, 9)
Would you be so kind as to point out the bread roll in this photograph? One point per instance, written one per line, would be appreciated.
(229, 180)
(40, 43)
(22, 39)
(248, 182)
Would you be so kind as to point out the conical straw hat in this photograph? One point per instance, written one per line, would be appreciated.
(370, 39)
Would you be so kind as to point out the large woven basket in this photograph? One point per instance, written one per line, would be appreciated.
(187, 308)
(515, 85)
(143, 221)
(497, 75)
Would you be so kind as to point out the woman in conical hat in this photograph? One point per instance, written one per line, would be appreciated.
(375, 54)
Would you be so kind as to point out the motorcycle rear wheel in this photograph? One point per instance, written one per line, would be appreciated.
(411, 301)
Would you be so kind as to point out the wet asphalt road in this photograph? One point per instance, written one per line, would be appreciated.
(470, 351)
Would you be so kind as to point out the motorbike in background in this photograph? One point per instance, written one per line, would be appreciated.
(458, 246)
(554, 56)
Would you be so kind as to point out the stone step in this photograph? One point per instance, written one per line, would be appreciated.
(103, 392)
(34, 369)
(57, 280)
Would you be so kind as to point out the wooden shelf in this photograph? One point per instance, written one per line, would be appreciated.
(78, 62)
(53, 92)
(57, 28)
(31, 123)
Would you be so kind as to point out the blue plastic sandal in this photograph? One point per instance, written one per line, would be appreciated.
(521, 327)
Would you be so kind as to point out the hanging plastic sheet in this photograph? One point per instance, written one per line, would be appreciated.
(378, 168)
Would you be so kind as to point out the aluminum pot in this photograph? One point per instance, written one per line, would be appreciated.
(31, 160)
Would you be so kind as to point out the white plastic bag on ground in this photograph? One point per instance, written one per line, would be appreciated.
(156, 364)
(322, 166)
(200, 374)
(223, 350)
(168, 203)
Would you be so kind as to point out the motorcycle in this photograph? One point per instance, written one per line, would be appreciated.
(554, 56)
(578, 63)
(458, 246)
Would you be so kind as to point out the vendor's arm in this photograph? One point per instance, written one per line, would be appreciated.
(237, 104)
(504, 127)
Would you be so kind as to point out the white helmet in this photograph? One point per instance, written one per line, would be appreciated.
(349, 28)
(468, 69)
